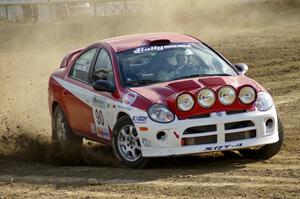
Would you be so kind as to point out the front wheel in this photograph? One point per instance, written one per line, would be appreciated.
(266, 151)
(126, 144)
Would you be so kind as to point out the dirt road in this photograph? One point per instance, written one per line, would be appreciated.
(28, 169)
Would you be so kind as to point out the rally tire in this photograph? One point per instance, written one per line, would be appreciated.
(267, 151)
(122, 146)
(67, 146)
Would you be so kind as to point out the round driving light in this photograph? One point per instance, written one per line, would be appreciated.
(206, 97)
(247, 95)
(227, 95)
(185, 102)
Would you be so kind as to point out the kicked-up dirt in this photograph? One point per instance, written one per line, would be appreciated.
(268, 42)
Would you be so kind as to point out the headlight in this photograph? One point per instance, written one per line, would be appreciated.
(160, 113)
(185, 102)
(247, 95)
(227, 95)
(264, 101)
(206, 97)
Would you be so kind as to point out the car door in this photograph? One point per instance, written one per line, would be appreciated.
(76, 95)
(103, 102)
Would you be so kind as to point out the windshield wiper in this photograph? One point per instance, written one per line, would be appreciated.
(201, 75)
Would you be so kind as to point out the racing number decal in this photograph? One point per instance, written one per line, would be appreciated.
(100, 109)
(99, 117)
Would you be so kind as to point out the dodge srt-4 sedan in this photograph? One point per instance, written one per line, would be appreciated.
(160, 94)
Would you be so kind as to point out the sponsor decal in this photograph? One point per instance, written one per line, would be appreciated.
(222, 147)
(146, 142)
(103, 133)
(129, 98)
(139, 119)
(124, 107)
(160, 48)
(82, 66)
(93, 128)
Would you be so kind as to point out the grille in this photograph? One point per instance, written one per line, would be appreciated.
(200, 140)
(200, 129)
(237, 125)
(240, 135)
(233, 131)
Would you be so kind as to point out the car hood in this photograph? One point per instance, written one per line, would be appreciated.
(159, 93)
(166, 93)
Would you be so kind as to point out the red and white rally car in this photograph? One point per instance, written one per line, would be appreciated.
(160, 94)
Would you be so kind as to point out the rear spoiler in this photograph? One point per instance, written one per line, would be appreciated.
(65, 62)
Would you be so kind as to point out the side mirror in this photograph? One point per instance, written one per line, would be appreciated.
(102, 85)
(243, 68)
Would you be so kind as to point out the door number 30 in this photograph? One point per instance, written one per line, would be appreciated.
(99, 117)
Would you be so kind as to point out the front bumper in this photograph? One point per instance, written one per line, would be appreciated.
(226, 132)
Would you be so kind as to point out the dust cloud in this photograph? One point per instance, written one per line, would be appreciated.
(30, 52)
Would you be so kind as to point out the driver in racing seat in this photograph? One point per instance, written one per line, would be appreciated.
(187, 64)
(177, 70)
(181, 60)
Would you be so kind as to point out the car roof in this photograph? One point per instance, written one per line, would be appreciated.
(133, 41)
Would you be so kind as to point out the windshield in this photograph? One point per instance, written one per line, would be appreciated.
(153, 64)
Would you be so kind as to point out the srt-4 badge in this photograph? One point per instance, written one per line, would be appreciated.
(222, 147)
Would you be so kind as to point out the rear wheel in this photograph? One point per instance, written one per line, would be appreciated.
(126, 144)
(67, 145)
(266, 151)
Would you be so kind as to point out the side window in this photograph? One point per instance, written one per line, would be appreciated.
(82, 65)
(103, 68)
